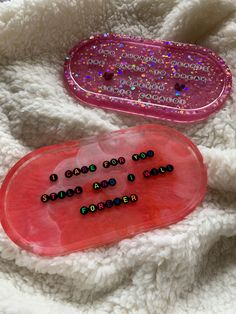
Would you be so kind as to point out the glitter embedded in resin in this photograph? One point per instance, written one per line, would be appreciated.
(166, 80)
(136, 179)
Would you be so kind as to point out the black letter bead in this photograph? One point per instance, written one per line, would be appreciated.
(112, 181)
(135, 157)
(61, 194)
(106, 164)
(44, 198)
(154, 171)
(169, 168)
(96, 186)
(92, 168)
(100, 205)
(76, 171)
(162, 169)
(53, 196)
(104, 184)
(92, 208)
(117, 201)
(142, 155)
(68, 174)
(133, 197)
(78, 190)
(146, 174)
(83, 210)
(53, 177)
(121, 160)
(150, 153)
(109, 203)
(70, 192)
(84, 169)
(131, 177)
(114, 162)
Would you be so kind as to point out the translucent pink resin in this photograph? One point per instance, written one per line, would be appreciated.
(161, 79)
(150, 176)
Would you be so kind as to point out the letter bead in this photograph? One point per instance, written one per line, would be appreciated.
(106, 164)
(104, 184)
(154, 172)
(114, 162)
(70, 192)
(96, 186)
(117, 201)
(92, 208)
(68, 174)
(150, 153)
(142, 155)
(92, 168)
(133, 198)
(169, 168)
(53, 177)
(84, 169)
(78, 190)
(162, 169)
(83, 210)
(53, 196)
(146, 173)
(109, 203)
(61, 194)
(100, 205)
(121, 160)
(112, 181)
(76, 171)
(125, 199)
(131, 177)
(135, 157)
(44, 198)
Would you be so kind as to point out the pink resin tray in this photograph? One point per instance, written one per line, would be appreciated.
(99, 190)
(161, 79)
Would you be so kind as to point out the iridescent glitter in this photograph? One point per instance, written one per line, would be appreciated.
(167, 80)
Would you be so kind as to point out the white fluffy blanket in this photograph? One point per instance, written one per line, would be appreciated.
(189, 267)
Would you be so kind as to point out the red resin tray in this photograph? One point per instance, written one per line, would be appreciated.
(98, 190)
(161, 79)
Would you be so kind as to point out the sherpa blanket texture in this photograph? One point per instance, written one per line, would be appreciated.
(189, 267)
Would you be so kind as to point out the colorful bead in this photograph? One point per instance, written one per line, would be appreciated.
(76, 171)
(61, 194)
(70, 192)
(92, 168)
(133, 197)
(112, 181)
(53, 177)
(78, 190)
(104, 184)
(106, 164)
(84, 169)
(53, 196)
(154, 172)
(114, 162)
(121, 160)
(162, 169)
(169, 168)
(96, 186)
(44, 198)
(135, 157)
(131, 177)
(83, 210)
(68, 174)
(142, 155)
(109, 203)
(117, 201)
(92, 208)
(125, 199)
(146, 173)
(100, 205)
(150, 153)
